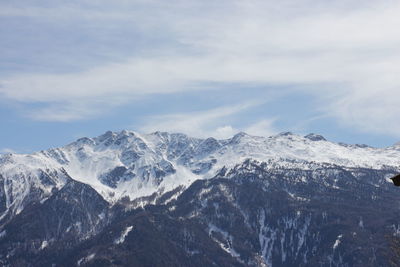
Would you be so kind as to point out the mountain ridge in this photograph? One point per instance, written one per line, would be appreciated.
(284, 200)
(126, 163)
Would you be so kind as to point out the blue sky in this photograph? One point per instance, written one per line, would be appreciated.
(206, 68)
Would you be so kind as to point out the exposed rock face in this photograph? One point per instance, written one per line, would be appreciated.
(296, 210)
(71, 215)
(315, 137)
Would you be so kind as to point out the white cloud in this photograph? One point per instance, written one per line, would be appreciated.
(262, 128)
(347, 51)
(207, 122)
(223, 132)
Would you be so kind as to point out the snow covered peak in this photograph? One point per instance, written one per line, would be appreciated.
(127, 163)
(285, 134)
(240, 135)
(396, 145)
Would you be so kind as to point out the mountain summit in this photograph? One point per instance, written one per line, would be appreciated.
(126, 163)
(284, 188)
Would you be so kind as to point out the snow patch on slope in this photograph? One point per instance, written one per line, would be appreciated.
(226, 242)
(337, 241)
(160, 162)
(124, 234)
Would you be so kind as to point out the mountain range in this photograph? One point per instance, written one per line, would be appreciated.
(167, 199)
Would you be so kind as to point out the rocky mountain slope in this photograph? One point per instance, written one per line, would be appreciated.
(161, 199)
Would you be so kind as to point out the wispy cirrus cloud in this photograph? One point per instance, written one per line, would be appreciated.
(217, 122)
(345, 54)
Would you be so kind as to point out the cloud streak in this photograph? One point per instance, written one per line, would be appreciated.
(345, 55)
(215, 122)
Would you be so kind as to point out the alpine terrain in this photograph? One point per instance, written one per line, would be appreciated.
(167, 199)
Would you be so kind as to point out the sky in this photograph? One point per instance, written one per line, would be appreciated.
(70, 69)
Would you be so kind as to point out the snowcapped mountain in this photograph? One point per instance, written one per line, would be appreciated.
(283, 200)
(130, 164)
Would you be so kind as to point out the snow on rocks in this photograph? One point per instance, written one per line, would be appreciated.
(124, 234)
(129, 164)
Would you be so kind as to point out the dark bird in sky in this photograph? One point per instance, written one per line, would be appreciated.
(396, 180)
